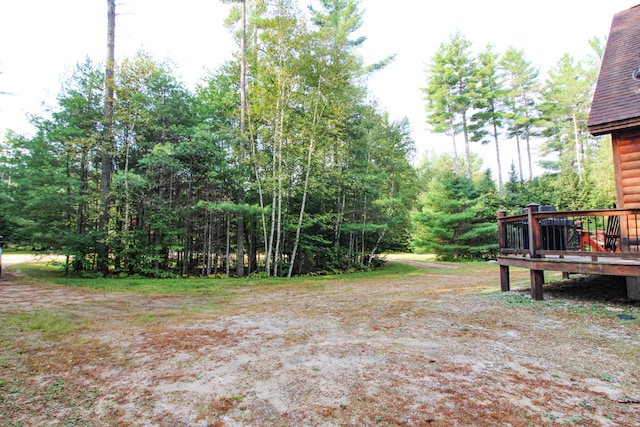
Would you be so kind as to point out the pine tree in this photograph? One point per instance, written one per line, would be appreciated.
(521, 102)
(489, 104)
(451, 85)
(453, 222)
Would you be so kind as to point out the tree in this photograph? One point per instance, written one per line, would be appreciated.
(76, 125)
(521, 101)
(489, 103)
(324, 176)
(454, 221)
(154, 122)
(105, 178)
(567, 99)
(242, 134)
(331, 85)
(38, 197)
(450, 90)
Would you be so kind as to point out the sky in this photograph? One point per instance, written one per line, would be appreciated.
(42, 40)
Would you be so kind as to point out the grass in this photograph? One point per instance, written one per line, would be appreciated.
(43, 273)
(52, 325)
(82, 359)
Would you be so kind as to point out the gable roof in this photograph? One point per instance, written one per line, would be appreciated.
(616, 101)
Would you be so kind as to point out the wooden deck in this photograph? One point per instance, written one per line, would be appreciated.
(582, 242)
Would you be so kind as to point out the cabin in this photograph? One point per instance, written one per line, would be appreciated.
(597, 241)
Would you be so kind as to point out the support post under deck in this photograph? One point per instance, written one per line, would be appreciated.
(502, 243)
(537, 282)
(505, 285)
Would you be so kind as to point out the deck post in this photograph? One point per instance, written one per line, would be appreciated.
(505, 284)
(502, 243)
(633, 288)
(535, 244)
(535, 238)
(537, 281)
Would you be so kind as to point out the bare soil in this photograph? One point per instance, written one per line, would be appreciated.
(441, 347)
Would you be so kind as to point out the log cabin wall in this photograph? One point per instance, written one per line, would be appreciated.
(626, 160)
(626, 155)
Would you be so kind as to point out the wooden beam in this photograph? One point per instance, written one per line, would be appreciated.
(573, 266)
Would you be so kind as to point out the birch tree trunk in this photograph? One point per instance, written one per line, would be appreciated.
(243, 131)
(317, 113)
(302, 207)
(499, 163)
(578, 145)
(519, 155)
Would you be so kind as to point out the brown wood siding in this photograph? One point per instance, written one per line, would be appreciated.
(626, 154)
(626, 160)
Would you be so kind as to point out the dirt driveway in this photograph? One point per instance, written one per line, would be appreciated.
(436, 347)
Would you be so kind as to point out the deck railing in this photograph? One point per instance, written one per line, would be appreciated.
(541, 231)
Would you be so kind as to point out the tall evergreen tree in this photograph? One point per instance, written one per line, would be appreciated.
(451, 85)
(489, 104)
(567, 99)
(521, 112)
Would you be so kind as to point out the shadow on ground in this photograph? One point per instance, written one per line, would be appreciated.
(596, 288)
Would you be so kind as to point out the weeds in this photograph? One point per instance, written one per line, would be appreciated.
(56, 401)
(51, 325)
(607, 377)
(520, 300)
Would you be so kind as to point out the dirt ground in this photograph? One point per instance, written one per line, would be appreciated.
(440, 347)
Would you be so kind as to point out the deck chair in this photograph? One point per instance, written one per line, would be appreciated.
(612, 234)
(607, 240)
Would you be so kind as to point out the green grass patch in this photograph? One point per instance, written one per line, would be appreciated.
(519, 300)
(52, 325)
(43, 274)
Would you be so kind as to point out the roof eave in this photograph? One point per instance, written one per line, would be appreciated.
(605, 128)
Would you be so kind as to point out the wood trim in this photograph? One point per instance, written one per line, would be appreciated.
(622, 125)
(597, 254)
(572, 266)
(617, 169)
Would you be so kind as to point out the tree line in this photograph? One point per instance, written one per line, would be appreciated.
(495, 98)
(302, 173)
(280, 163)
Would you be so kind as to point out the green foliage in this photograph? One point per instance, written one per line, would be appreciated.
(457, 220)
(321, 179)
(503, 98)
(452, 76)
